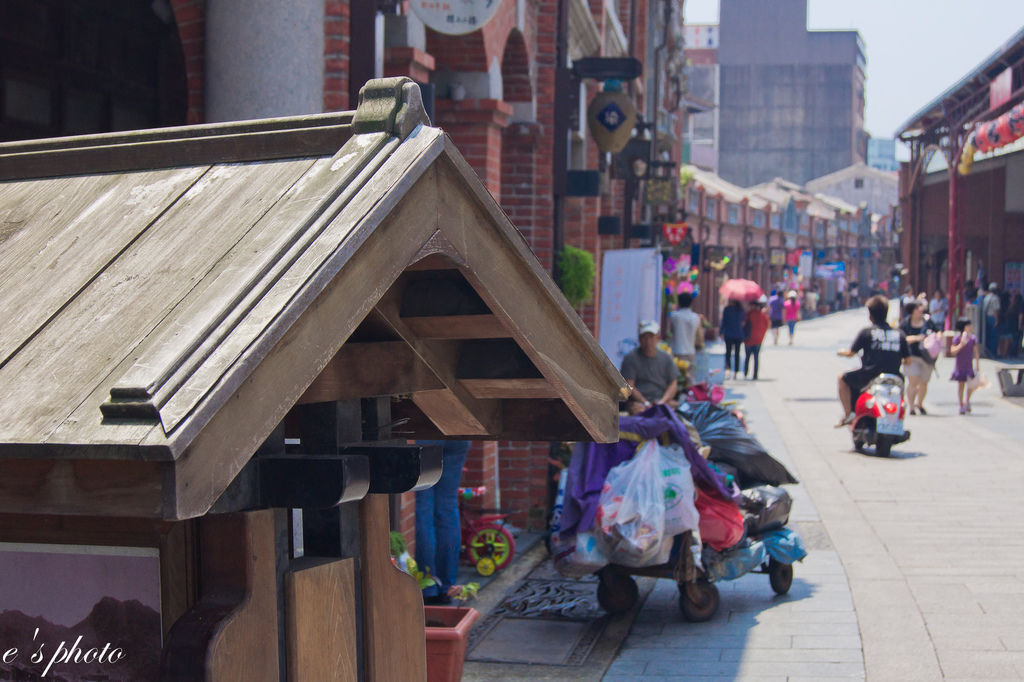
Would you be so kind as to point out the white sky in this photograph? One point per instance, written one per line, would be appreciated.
(916, 49)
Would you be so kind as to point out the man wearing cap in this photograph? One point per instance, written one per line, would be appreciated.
(651, 372)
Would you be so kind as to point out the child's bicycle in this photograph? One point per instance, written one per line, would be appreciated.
(486, 543)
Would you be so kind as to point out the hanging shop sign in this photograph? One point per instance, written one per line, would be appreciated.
(611, 117)
(674, 232)
(455, 17)
(777, 257)
(660, 190)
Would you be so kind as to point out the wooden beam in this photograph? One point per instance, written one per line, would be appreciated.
(231, 633)
(457, 327)
(517, 290)
(394, 641)
(82, 487)
(148, 154)
(452, 408)
(320, 617)
(360, 370)
(485, 389)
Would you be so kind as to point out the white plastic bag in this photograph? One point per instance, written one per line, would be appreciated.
(677, 483)
(630, 518)
(585, 558)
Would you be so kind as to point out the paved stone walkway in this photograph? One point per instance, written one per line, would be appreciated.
(916, 569)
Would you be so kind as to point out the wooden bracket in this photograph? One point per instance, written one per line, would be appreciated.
(400, 468)
(296, 482)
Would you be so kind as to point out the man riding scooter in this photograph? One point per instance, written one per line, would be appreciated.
(883, 350)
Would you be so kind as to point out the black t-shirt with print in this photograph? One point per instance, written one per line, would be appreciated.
(882, 349)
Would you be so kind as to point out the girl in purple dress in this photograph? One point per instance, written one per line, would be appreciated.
(965, 348)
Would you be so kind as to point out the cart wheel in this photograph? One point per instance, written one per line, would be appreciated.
(698, 600)
(616, 593)
(485, 566)
(493, 542)
(859, 445)
(780, 576)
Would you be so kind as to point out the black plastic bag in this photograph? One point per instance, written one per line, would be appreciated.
(765, 508)
(732, 445)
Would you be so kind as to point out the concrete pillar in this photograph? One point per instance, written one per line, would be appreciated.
(264, 58)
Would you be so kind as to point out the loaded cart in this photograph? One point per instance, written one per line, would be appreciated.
(710, 529)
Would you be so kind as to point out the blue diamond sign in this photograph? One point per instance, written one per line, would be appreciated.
(611, 117)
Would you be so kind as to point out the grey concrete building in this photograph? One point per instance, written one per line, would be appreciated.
(791, 100)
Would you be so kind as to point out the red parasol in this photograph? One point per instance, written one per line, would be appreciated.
(740, 290)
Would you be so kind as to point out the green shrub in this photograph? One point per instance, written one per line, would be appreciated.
(576, 274)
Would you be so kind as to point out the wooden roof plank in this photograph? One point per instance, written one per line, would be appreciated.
(306, 274)
(93, 333)
(241, 278)
(68, 234)
(318, 265)
(224, 432)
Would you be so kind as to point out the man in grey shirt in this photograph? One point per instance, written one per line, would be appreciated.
(651, 372)
(684, 325)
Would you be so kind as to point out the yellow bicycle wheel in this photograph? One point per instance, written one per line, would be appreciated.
(492, 542)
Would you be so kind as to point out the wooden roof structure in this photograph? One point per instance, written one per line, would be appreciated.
(170, 294)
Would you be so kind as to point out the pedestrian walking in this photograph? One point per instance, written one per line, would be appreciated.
(907, 297)
(685, 327)
(1017, 322)
(919, 370)
(755, 327)
(938, 308)
(791, 313)
(732, 333)
(967, 360)
(775, 314)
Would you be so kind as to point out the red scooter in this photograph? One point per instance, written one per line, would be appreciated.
(878, 415)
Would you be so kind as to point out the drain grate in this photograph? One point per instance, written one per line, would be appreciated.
(541, 621)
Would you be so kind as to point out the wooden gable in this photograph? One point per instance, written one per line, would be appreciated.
(171, 294)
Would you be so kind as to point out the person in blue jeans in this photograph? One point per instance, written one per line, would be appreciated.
(732, 333)
(438, 536)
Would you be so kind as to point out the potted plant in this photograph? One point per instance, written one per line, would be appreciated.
(447, 627)
(448, 633)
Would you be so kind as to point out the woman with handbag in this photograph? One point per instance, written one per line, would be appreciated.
(919, 371)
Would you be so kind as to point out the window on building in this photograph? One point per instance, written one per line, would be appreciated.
(758, 218)
(776, 220)
(710, 207)
(734, 214)
(858, 183)
(694, 201)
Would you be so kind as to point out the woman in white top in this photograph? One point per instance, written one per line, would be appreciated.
(938, 307)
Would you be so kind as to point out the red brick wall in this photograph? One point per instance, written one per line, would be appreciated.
(191, 19)
(336, 56)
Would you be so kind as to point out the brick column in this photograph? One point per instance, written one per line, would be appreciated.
(476, 125)
(408, 61)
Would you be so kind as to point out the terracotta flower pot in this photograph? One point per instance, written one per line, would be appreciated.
(447, 632)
